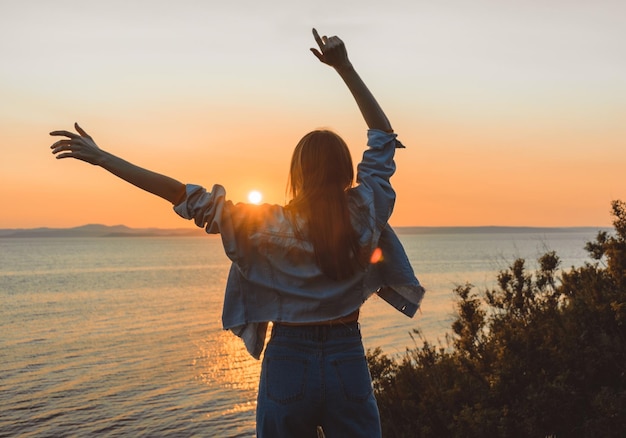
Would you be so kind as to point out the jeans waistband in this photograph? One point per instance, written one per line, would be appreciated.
(319, 333)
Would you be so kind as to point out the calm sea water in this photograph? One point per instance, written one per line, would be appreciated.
(122, 336)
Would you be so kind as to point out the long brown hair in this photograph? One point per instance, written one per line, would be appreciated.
(320, 175)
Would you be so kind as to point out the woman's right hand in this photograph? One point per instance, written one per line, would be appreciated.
(332, 51)
(80, 146)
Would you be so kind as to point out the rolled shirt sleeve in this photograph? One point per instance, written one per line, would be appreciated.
(210, 210)
(204, 207)
(374, 173)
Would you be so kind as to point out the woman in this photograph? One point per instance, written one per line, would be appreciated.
(307, 267)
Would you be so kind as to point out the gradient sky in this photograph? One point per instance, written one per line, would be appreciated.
(513, 113)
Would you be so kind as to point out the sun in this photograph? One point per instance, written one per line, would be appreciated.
(255, 197)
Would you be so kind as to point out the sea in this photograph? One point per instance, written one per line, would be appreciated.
(122, 336)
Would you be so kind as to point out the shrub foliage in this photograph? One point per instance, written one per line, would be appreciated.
(542, 354)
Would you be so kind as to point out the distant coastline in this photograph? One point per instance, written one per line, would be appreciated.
(494, 229)
(98, 230)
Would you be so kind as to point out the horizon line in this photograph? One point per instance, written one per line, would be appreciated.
(395, 227)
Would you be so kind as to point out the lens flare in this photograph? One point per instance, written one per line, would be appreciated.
(377, 256)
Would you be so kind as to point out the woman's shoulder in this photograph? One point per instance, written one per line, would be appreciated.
(263, 212)
(258, 218)
(360, 196)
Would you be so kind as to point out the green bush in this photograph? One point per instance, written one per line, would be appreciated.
(537, 356)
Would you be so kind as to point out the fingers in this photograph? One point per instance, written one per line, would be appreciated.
(60, 143)
(65, 145)
(324, 46)
(66, 155)
(325, 43)
(322, 42)
(80, 146)
(73, 148)
(318, 54)
(318, 40)
(80, 130)
(65, 134)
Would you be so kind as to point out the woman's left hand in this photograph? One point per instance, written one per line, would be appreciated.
(80, 146)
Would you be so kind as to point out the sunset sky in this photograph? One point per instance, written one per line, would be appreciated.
(513, 113)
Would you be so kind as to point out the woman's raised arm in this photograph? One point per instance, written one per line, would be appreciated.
(82, 147)
(332, 51)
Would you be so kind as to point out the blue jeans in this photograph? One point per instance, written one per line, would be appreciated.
(316, 376)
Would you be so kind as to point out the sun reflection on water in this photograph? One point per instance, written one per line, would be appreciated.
(224, 362)
(234, 410)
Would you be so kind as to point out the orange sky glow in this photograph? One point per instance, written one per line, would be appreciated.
(512, 114)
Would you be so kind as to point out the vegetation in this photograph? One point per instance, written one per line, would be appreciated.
(541, 355)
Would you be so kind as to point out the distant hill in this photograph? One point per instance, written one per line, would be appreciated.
(97, 230)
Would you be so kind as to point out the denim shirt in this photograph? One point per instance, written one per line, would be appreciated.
(273, 275)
